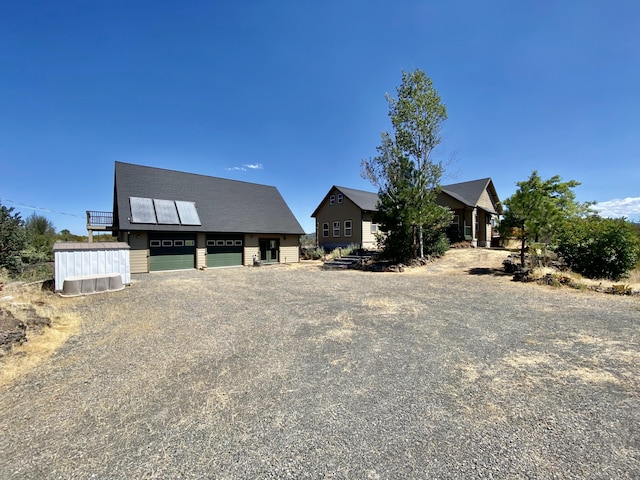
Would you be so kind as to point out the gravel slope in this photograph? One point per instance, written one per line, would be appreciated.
(288, 372)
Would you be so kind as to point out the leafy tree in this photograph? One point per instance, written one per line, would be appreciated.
(41, 234)
(539, 208)
(404, 171)
(12, 239)
(600, 247)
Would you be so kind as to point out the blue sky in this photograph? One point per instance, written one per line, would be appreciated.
(292, 94)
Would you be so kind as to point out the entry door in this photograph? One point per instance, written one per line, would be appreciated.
(269, 248)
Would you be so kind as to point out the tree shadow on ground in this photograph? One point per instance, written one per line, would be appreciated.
(498, 272)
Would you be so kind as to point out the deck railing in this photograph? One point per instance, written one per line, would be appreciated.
(99, 219)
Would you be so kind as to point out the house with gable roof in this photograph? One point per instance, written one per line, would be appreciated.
(346, 216)
(176, 220)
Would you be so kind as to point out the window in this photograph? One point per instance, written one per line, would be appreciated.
(155, 243)
(219, 243)
(332, 200)
(178, 243)
(211, 243)
(189, 243)
(455, 220)
(348, 228)
(237, 243)
(325, 230)
(336, 229)
(167, 243)
(374, 228)
(229, 243)
(340, 198)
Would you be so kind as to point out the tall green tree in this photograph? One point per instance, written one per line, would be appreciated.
(539, 208)
(41, 235)
(405, 171)
(12, 239)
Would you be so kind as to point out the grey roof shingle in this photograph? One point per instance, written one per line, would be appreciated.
(365, 200)
(468, 193)
(226, 206)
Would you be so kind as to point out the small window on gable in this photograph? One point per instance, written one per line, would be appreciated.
(340, 198)
(336, 229)
(348, 228)
(325, 230)
(332, 200)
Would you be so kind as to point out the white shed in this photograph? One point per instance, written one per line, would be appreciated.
(85, 262)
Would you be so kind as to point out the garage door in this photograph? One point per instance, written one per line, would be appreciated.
(172, 252)
(224, 251)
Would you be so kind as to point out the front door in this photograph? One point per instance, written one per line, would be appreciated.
(269, 249)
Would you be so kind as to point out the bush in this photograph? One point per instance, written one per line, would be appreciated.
(313, 253)
(436, 243)
(600, 247)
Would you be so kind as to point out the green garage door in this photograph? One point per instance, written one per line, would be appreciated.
(172, 252)
(224, 251)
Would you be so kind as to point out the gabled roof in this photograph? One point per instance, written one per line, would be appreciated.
(470, 192)
(365, 201)
(222, 205)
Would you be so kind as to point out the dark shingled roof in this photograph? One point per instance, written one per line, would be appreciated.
(226, 206)
(365, 200)
(468, 193)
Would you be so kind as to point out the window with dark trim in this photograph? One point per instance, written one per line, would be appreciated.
(336, 229)
(325, 230)
(340, 198)
(332, 200)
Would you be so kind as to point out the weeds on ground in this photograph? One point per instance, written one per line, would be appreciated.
(41, 341)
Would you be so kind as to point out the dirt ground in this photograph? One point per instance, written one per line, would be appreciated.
(448, 371)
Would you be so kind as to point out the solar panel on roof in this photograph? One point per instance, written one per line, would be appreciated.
(142, 210)
(166, 212)
(188, 213)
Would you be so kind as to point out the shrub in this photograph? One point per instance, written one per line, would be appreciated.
(436, 243)
(313, 253)
(12, 239)
(600, 247)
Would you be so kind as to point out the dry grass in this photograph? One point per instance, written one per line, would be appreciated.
(633, 279)
(39, 345)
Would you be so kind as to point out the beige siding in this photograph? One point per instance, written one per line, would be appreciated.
(139, 254)
(251, 248)
(369, 240)
(201, 251)
(485, 201)
(289, 249)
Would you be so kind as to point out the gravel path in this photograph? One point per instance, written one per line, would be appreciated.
(287, 372)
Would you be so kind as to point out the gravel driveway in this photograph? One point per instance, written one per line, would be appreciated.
(289, 372)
